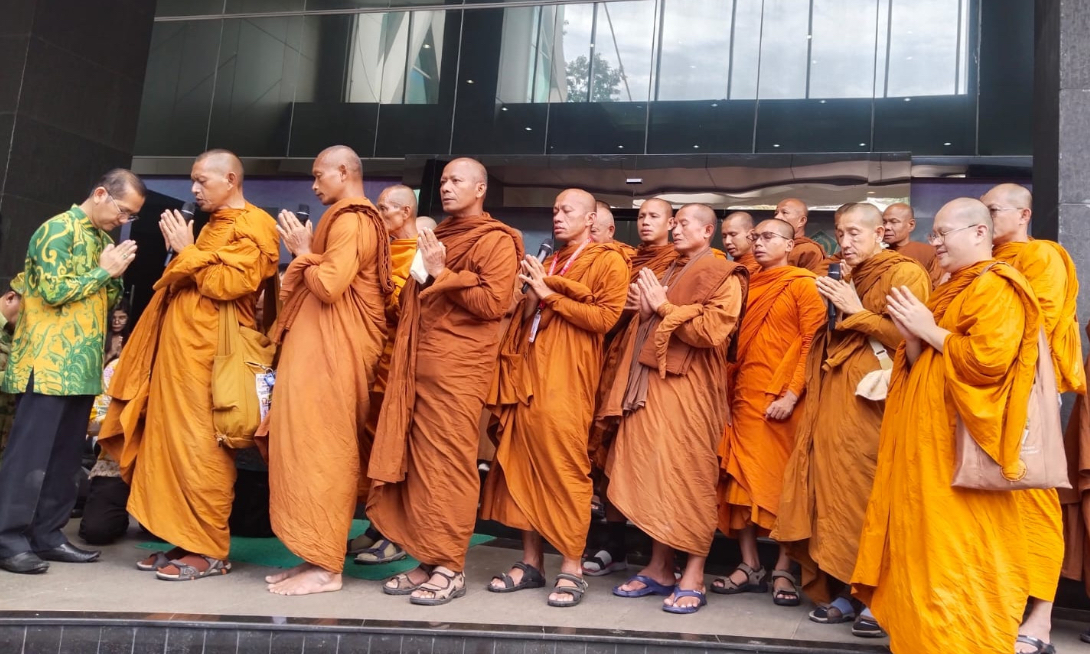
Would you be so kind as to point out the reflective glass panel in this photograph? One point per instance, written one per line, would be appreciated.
(842, 49)
(695, 57)
(784, 46)
(624, 36)
(924, 45)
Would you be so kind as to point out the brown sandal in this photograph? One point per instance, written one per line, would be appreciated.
(755, 582)
(186, 572)
(403, 583)
(455, 587)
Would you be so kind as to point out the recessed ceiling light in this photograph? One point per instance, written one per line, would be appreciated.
(696, 147)
(715, 104)
(870, 192)
(529, 129)
(469, 81)
(862, 145)
(947, 143)
(821, 101)
(908, 99)
(427, 47)
(503, 108)
(620, 147)
(775, 145)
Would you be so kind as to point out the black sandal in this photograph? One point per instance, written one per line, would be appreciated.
(785, 597)
(576, 592)
(1041, 646)
(531, 578)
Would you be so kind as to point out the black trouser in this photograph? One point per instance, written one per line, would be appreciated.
(105, 516)
(39, 475)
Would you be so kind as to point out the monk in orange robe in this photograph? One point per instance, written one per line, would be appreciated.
(831, 469)
(899, 221)
(159, 425)
(736, 228)
(1051, 274)
(604, 229)
(424, 482)
(551, 361)
(1076, 500)
(332, 331)
(939, 564)
(653, 224)
(396, 206)
(807, 252)
(675, 409)
(783, 313)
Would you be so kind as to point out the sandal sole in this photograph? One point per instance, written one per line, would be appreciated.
(438, 601)
(748, 588)
(516, 588)
(394, 559)
(219, 573)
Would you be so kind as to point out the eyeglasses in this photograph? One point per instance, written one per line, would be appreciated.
(130, 217)
(940, 237)
(995, 210)
(764, 237)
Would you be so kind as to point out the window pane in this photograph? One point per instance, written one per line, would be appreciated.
(623, 40)
(924, 47)
(395, 57)
(695, 58)
(783, 49)
(572, 37)
(842, 49)
(746, 50)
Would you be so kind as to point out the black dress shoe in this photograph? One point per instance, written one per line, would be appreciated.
(69, 553)
(24, 563)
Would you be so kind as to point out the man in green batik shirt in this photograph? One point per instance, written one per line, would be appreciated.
(73, 277)
(9, 313)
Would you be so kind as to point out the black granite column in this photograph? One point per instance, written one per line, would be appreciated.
(71, 76)
(1061, 132)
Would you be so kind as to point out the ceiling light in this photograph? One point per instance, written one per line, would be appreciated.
(503, 108)
(821, 102)
(947, 143)
(775, 145)
(715, 104)
(908, 99)
(862, 145)
(696, 147)
(427, 47)
(469, 81)
(620, 147)
(529, 129)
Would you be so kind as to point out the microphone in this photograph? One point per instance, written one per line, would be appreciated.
(834, 273)
(543, 253)
(303, 214)
(188, 210)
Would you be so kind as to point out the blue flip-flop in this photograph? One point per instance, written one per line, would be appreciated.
(681, 592)
(650, 587)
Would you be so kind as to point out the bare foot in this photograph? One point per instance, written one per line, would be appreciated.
(287, 574)
(308, 582)
(685, 602)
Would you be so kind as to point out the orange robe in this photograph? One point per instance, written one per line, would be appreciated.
(425, 485)
(925, 254)
(939, 564)
(671, 429)
(182, 480)
(807, 254)
(610, 391)
(783, 313)
(749, 262)
(831, 469)
(1051, 275)
(544, 399)
(332, 330)
(1076, 501)
(402, 251)
(627, 250)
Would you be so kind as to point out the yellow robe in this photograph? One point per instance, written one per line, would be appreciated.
(937, 564)
(1051, 275)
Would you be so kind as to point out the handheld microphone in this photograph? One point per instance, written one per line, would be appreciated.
(303, 214)
(834, 273)
(188, 210)
(542, 253)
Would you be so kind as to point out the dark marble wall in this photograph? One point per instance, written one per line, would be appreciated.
(71, 77)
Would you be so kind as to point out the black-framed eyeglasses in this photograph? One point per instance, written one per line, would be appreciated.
(129, 217)
(765, 237)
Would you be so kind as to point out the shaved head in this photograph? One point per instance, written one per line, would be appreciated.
(962, 234)
(340, 155)
(221, 161)
(217, 181)
(859, 233)
(735, 231)
(474, 169)
(776, 226)
(578, 196)
(1014, 195)
(741, 219)
(794, 212)
(899, 220)
(662, 206)
(653, 222)
(1011, 208)
(425, 222)
(967, 211)
(397, 207)
(462, 187)
(702, 213)
(337, 175)
(866, 214)
(604, 228)
(775, 239)
(401, 195)
(840, 211)
(693, 229)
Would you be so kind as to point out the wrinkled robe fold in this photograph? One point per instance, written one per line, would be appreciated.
(1051, 274)
(610, 390)
(159, 424)
(544, 399)
(330, 347)
(1076, 500)
(674, 435)
(924, 254)
(423, 468)
(749, 262)
(831, 470)
(938, 563)
(807, 254)
(783, 313)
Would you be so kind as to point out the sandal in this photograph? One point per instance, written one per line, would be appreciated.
(832, 614)
(158, 560)
(403, 583)
(454, 588)
(576, 592)
(531, 578)
(186, 572)
(785, 597)
(597, 509)
(602, 564)
(383, 551)
(650, 587)
(755, 582)
(867, 627)
(685, 610)
(1041, 646)
(359, 544)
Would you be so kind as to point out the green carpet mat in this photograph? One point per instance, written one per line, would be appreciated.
(272, 553)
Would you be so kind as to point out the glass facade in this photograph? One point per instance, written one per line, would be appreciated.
(286, 78)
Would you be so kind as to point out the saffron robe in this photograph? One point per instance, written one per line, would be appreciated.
(543, 398)
(182, 481)
(831, 469)
(749, 262)
(1051, 274)
(332, 331)
(424, 481)
(1076, 500)
(611, 387)
(807, 254)
(925, 254)
(672, 433)
(783, 312)
(926, 547)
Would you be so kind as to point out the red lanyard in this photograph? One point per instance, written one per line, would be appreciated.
(552, 269)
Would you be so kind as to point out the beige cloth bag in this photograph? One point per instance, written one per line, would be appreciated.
(875, 384)
(1042, 440)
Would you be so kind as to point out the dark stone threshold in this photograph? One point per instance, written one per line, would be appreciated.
(76, 632)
